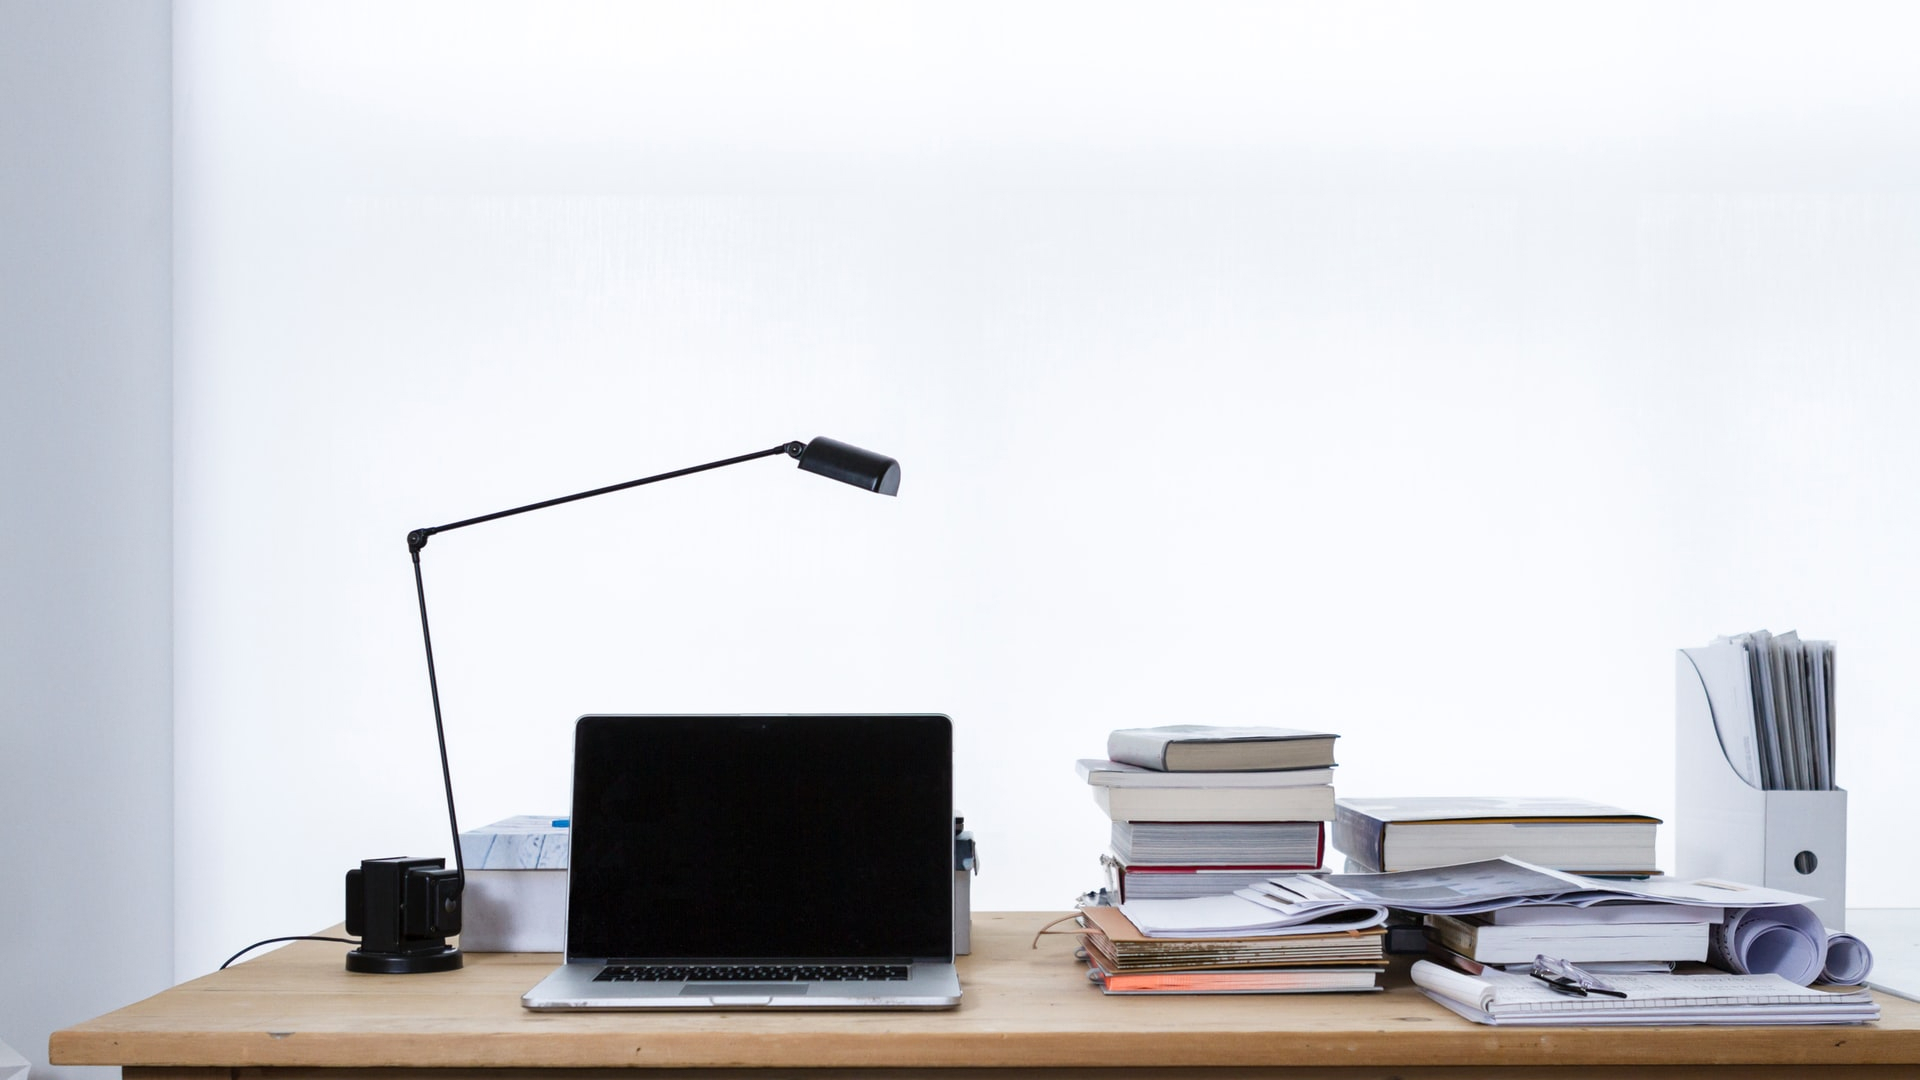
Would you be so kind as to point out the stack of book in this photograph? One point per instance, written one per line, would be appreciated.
(1122, 959)
(1546, 925)
(1560, 833)
(1201, 810)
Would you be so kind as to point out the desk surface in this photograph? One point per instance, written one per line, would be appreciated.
(1894, 936)
(1025, 1007)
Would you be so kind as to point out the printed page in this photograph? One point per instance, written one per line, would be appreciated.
(1467, 888)
(1722, 667)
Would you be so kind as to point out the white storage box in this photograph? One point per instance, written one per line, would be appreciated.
(516, 898)
(1729, 829)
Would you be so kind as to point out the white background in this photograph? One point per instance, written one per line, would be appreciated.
(1428, 373)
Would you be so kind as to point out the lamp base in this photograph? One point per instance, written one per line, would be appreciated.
(403, 911)
(412, 962)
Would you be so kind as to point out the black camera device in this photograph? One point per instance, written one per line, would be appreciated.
(403, 911)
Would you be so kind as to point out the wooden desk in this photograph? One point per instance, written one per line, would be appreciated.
(297, 1013)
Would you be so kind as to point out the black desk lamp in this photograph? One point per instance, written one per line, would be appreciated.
(404, 910)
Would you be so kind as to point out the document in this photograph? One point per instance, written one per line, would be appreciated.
(1790, 942)
(1504, 997)
(1242, 915)
(1358, 900)
(1792, 721)
(1820, 696)
(1724, 666)
(1470, 888)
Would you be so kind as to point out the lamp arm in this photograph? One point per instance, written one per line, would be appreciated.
(405, 909)
(439, 727)
(417, 539)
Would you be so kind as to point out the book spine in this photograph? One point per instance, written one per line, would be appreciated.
(1137, 748)
(1216, 804)
(1455, 935)
(1360, 836)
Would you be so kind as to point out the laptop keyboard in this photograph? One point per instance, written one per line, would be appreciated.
(750, 972)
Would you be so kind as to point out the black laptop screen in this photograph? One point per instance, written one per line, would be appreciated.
(776, 837)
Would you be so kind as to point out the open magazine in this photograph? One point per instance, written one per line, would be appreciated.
(1308, 903)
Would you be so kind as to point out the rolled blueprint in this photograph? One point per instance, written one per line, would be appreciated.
(1786, 941)
(1849, 961)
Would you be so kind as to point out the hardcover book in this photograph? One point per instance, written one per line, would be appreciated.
(1212, 748)
(1216, 804)
(1575, 835)
(1478, 939)
(1117, 774)
(1162, 881)
(1219, 843)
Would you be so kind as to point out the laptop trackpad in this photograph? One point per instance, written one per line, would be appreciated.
(719, 990)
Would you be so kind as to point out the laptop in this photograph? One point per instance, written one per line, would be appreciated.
(777, 862)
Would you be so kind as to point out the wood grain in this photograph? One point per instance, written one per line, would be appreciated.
(1025, 1007)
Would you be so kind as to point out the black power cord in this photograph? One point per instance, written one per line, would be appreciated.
(276, 940)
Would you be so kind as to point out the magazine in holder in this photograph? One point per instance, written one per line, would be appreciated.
(1728, 827)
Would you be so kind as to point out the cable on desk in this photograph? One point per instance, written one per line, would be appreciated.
(274, 940)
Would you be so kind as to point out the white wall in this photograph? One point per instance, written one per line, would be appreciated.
(86, 783)
(1425, 372)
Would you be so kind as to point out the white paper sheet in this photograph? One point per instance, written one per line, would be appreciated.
(1508, 882)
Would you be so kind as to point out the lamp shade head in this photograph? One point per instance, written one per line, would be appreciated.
(851, 465)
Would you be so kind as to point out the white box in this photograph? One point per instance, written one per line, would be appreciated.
(516, 897)
(515, 911)
(1730, 829)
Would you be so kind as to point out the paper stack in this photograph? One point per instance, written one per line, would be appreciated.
(1503, 997)
(1124, 960)
(1790, 727)
(1512, 912)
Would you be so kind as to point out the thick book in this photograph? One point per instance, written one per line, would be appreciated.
(1210, 748)
(1219, 843)
(1314, 803)
(1565, 914)
(1575, 835)
(1479, 939)
(1118, 774)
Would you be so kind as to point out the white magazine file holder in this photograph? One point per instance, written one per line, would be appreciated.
(1728, 828)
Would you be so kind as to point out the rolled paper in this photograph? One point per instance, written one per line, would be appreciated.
(1849, 961)
(1786, 941)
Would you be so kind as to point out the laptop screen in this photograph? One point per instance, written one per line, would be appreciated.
(761, 837)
